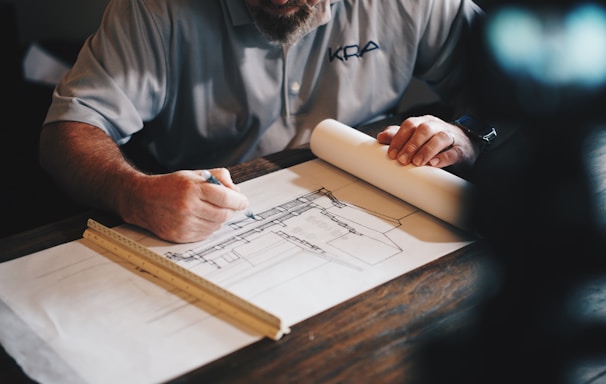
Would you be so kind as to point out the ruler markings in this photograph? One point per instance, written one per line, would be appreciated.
(209, 293)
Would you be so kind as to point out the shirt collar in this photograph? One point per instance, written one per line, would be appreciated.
(239, 14)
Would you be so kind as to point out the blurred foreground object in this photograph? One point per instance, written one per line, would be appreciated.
(542, 68)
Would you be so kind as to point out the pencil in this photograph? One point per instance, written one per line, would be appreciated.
(213, 180)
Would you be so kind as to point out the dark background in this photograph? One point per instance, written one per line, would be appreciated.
(27, 196)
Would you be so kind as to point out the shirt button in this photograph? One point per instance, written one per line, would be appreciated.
(295, 87)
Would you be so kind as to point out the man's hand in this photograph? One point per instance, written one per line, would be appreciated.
(182, 206)
(428, 140)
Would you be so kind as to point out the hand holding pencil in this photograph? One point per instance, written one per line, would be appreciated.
(213, 180)
(184, 206)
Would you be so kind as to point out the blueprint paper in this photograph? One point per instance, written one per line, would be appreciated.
(320, 236)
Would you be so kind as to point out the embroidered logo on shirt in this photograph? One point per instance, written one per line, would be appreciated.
(347, 52)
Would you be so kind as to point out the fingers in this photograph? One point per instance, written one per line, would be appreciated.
(182, 206)
(387, 134)
(225, 177)
(220, 202)
(424, 140)
(450, 156)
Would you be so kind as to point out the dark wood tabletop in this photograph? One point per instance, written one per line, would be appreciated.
(374, 335)
(397, 332)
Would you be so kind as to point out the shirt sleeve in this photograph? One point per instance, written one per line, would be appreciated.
(119, 78)
(442, 60)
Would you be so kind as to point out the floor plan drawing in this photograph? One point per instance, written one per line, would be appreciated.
(319, 237)
(314, 225)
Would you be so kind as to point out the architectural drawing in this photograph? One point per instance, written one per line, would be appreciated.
(315, 225)
(320, 236)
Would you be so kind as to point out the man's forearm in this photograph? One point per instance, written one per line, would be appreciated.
(87, 164)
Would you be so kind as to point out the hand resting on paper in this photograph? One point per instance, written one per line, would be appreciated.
(428, 140)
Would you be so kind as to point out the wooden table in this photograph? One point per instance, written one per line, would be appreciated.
(435, 323)
(376, 335)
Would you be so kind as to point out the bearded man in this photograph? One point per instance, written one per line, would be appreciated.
(205, 84)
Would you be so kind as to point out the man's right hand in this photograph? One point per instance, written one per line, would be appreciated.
(180, 206)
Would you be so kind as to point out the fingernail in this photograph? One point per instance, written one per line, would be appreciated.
(433, 162)
(403, 158)
(392, 154)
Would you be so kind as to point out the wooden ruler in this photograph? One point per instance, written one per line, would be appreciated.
(209, 293)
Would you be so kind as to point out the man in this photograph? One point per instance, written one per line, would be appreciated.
(212, 83)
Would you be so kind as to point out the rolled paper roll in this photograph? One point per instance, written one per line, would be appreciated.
(433, 190)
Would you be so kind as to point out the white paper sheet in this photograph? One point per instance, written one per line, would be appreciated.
(321, 237)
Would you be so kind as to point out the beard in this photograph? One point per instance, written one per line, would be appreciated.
(282, 29)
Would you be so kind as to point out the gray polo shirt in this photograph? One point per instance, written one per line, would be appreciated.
(209, 90)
